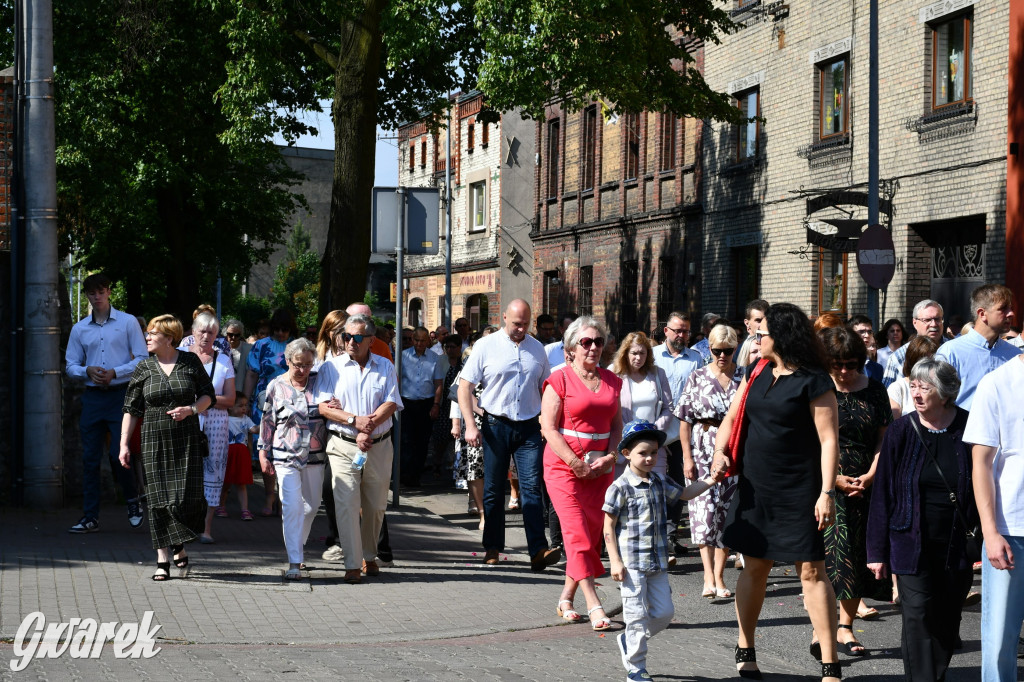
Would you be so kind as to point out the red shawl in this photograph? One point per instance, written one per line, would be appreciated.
(734, 449)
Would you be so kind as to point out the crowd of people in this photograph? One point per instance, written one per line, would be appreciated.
(901, 457)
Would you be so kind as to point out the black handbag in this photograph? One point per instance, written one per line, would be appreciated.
(972, 533)
(204, 441)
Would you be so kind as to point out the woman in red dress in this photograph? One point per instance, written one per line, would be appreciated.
(581, 421)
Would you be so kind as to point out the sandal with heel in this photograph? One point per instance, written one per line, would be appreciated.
(853, 647)
(179, 562)
(569, 614)
(832, 670)
(743, 656)
(163, 571)
(601, 623)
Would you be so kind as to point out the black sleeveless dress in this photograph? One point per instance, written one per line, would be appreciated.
(772, 512)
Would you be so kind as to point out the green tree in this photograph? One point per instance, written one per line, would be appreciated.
(385, 62)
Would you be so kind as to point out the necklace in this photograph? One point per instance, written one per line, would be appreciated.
(579, 372)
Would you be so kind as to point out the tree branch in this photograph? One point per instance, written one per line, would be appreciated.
(318, 48)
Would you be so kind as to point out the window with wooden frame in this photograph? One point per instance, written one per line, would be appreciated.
(630, 300)
(412, 156)
(951, 62)
(832, 281)
(833, 98)
(589, 146)
(550, 292)
(554, 146)
(423, 153)
(666, 286)
(631, 133)
(586, 290)
(747, 132)
(485, 135)
(470, 137)
(746, 264)
(668, 141)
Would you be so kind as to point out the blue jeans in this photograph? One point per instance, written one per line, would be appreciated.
(101, 414)
(502, 440)
(1002, 613)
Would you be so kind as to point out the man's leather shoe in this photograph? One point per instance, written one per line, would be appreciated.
(371, 568)
(545, 558)
(492, 558)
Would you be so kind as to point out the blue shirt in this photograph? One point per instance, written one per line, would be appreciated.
(873, 370)
(972, 357)
(116, 344)
(419, 372)
(556, 353)
(704, 348)
(641, 522)
(894, 365)
(677, 367)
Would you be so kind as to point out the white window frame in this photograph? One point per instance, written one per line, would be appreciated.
(473, 225)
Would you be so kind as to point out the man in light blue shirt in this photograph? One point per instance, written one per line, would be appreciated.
(928, 322)
(981, 350)
(707, 323)
(103, 350)
(422, 375)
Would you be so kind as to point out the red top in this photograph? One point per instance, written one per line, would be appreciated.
(585, 411)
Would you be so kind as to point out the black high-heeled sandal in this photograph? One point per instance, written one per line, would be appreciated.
(164, 566)
(747, 655)
(178, 549)
(831, 670)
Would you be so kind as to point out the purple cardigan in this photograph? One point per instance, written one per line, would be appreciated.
(894, 516)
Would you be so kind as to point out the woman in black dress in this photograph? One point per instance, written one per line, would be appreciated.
(171, 388)
(864, 414)
(791, 444)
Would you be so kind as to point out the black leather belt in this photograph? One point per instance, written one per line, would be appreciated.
(350, 439)
(105, 389)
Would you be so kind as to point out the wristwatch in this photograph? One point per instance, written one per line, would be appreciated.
(351, 420)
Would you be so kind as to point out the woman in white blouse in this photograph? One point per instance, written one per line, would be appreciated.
(645, 391)
(920, 347)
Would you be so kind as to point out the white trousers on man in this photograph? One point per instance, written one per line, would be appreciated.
(300, 491)
(354, 490)
(647, 609)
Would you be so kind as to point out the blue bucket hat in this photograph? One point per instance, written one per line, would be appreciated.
(640, 428)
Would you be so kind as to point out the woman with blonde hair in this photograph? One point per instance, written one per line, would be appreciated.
(328, 340)
(645, 390)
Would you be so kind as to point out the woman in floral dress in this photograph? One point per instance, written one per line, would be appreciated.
(705, 400)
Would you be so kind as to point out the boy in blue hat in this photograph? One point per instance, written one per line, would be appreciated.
(636, 533)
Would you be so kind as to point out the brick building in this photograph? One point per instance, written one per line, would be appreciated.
(618, 231)
(492, 210)
(784, 198)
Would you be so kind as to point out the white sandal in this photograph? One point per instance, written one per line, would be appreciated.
(568, 614)
(601, 623)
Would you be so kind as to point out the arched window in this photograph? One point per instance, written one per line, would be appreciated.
(415, 312)
(476, 311)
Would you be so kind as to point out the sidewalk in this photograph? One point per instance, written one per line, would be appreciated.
(234, 591)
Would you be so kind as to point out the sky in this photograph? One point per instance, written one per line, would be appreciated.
(386, 171)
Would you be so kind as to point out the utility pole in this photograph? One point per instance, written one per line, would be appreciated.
(448, 224)
(42, 453)
(873, 143)
(396, 438)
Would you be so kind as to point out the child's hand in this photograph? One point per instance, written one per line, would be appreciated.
(618, 571)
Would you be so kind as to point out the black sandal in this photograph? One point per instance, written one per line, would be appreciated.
(831, 670)
(851, 647)
(164, 566)
(178, 549)
(747, 655)
(816, 651)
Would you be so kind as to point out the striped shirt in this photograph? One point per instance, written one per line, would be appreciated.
(641, 524)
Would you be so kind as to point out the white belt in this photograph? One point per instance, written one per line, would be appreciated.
(577, 434)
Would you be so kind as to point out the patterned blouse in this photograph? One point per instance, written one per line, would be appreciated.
(292, 428)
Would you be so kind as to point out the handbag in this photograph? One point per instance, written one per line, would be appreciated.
(972, 534)
(734, 448)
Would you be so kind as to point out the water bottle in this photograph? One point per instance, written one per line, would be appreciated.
(358, 461)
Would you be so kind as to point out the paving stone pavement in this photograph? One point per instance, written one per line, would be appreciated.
(437, 615)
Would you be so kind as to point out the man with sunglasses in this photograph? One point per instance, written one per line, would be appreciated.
(234, 332)
(103, 350)
(512, 367)
(927, 322)
(358, 393)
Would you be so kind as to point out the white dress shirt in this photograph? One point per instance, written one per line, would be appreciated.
(116, 344)
(359, 390)
(512, 375)
(419, 372)
(556, 354)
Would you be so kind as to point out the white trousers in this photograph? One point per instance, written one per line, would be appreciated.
(300, 491)
(647, 609)
(354, 490)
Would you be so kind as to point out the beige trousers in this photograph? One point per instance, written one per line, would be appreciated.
(354, 490)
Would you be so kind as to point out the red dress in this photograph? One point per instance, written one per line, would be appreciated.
(578, 501)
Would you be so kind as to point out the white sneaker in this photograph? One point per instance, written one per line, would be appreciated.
(333, 553)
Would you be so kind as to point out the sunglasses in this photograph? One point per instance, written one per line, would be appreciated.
(587, 343)
(722, 351)
(847, 364)
(760, 334)
(232, 335)
(358, 338)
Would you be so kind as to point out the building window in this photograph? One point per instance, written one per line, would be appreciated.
(629, 295)
(831, 281)
(478, 206)
(416, 312)
(749, 104)
(666, 287)
(951, 62)
(632, 135)
(551, 292)
(833, 98)
(554, 128)
(589, 146)
(412, 156)
(668, 141)
(586, 293)
(423, 154)
(485, 136)
(746, 262)
(476, 311)
(470, 137)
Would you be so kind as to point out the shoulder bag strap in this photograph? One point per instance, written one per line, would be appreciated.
(952, 494)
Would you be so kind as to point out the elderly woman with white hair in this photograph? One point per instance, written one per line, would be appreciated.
(922, 509)
(291, 447)
(581, 420)
(214, 424)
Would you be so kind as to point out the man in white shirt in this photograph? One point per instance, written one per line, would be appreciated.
(358, 394)
(996, 428)
(103, 350)
(512, 367)
(440, 334)
(421, 395)
(927, 322)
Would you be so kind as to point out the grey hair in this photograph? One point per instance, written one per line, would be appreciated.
(370, 327)
(926, 303)
(939, 374)
(297, 347)
(205, 322)
(573, 331)
(235, 323)
(722, 333)
(708, 318)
